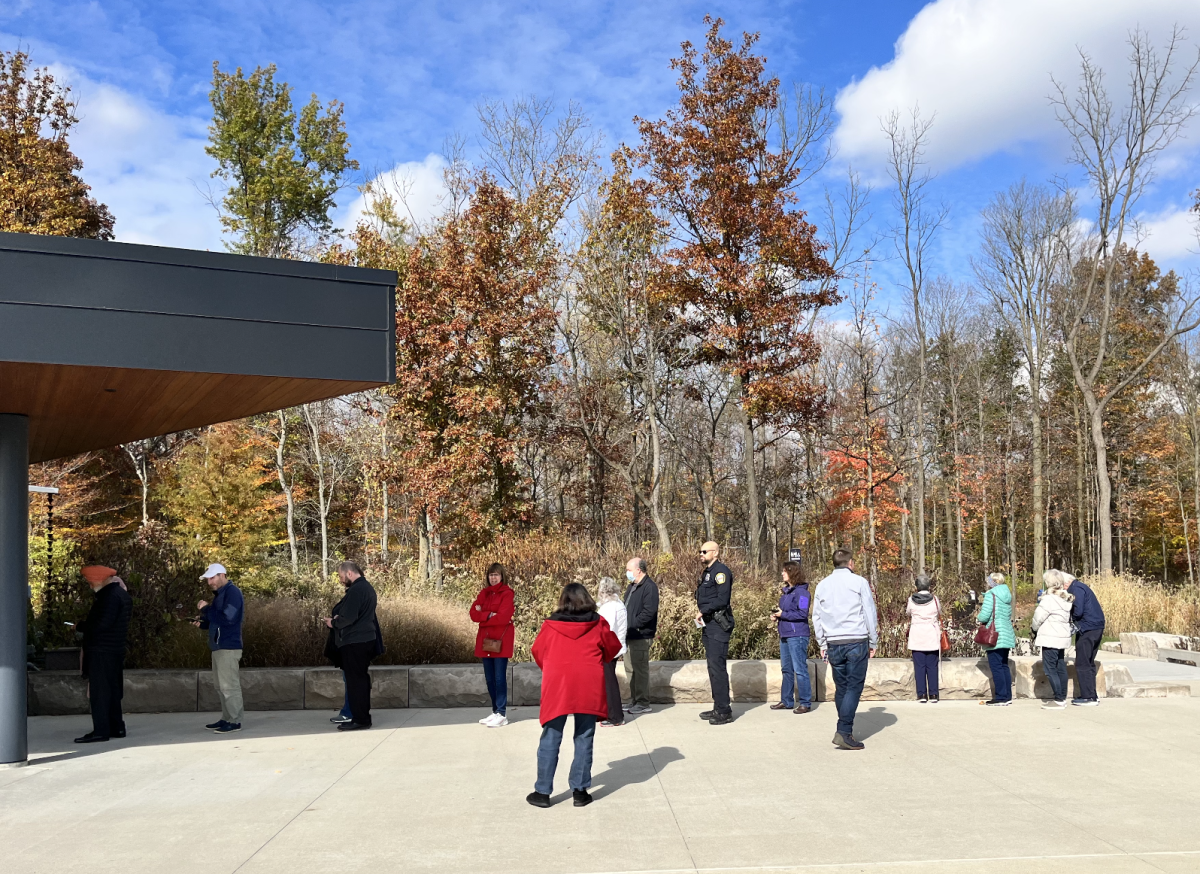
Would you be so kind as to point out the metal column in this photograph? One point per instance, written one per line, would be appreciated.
(14, 585)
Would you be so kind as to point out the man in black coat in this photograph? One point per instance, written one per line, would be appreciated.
(713, 608)
(641, 605)
(104, 634)
(356, 636)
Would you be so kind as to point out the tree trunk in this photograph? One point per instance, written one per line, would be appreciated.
(1103, 491)
(1039, 520)
(1085, 552)
(288, 493)
(753, 510)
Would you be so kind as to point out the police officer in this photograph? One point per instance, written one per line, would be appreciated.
(713, 607)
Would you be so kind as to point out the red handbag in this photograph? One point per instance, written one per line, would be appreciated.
(944, 644)
(987, 635)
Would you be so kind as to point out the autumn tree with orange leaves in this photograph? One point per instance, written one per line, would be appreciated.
(745, 266)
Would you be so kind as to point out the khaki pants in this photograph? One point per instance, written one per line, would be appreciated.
(637, 666)
(229, 683)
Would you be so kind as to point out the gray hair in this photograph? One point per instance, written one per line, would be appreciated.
(996, 579)
(609, 590)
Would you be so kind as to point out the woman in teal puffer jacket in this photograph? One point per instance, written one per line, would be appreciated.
(997, 607)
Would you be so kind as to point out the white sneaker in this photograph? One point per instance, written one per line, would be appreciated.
(487, 720)
(498, 722)
(1054, 705)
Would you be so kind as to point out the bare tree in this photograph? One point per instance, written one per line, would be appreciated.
(1117, 148)
(917, 221)
(1024, 257)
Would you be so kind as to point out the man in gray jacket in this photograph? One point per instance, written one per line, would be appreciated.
(356, 636)
(847, 630)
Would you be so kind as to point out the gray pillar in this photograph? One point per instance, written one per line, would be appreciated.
(14, 585)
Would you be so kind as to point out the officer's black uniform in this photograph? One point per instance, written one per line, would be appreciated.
(713, 596)
(104, 634)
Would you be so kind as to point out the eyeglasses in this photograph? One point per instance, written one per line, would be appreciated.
(705, 551)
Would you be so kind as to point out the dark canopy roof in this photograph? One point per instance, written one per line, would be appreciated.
(102, 343)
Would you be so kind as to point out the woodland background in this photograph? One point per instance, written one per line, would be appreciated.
(601, 355)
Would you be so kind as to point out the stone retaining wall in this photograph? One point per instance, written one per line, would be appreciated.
(53, 693)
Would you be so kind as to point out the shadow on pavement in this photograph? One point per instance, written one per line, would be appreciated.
(633, 769)
(872, 722)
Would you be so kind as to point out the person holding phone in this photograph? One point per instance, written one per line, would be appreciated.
(791, 620)
(925, 638)
(493, 612)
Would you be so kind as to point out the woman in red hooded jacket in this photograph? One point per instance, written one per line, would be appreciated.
(571, 649)
(493, 610)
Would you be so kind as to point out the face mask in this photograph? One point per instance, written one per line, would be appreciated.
(629, 576)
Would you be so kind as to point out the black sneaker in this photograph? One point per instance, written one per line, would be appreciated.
(227, 727)
(537, 799)
(90, 738)
(847, 742)
(933, 699)
(353, 726)
(721, 719)
(922, 700)
(582, 799)
(214, 726)
(339, 719)
(707, 714)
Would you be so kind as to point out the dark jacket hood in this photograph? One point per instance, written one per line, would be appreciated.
(573, 626)
(922, 597)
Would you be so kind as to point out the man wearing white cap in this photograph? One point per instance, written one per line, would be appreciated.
(223, 619)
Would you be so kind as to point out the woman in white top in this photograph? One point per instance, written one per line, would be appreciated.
(925, 638)
(612, 608)
(1052, 630)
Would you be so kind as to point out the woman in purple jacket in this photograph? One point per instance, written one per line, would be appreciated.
(792, 620)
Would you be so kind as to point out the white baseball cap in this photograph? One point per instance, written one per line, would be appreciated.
(213, 570)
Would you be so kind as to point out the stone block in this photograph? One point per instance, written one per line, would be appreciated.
(152, 691)
(389, 687)
(56, 693)
(887, 680)
(1150, 690)
(447, 686)
(682, 682)
(752, 680)
(525, 685)
(961, 679)
(1146, 644)
(1110, 646)
(1115, 676)
(324, 688)
(262, 689)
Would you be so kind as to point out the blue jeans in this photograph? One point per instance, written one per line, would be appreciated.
(547, 755)
(495, 673)
(345, 714)
(1054, 661)
(793, 658)
(848, 663)
(1001, 673)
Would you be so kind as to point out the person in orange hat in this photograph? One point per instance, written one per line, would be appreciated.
(104, 635)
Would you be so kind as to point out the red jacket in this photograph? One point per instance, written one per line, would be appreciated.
(572, 656)
(496, 599)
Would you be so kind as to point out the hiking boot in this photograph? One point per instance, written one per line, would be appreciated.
(721, 719)
(707, 714)
(848, 742)
(582, 799)
(537, 799)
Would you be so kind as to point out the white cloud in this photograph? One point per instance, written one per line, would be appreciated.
(1171, 236)
(984, 66)
(149, 167)
(418, 187)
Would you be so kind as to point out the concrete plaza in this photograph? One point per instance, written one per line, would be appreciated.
(946, 787)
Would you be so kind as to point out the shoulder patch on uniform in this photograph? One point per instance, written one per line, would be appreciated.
(720, 579)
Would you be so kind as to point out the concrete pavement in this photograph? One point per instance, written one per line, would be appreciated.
(946, 787)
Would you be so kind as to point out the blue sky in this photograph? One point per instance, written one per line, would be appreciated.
(410, 75)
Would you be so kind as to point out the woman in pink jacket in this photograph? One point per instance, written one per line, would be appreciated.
(925, 638)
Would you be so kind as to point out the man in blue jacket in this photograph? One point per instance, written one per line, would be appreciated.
(1088, 618)
(223, 619)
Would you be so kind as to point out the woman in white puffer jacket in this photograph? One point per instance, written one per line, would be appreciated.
(1052, 627)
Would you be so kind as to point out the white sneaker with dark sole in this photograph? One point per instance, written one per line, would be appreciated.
(1054, 705)
(1091, 702)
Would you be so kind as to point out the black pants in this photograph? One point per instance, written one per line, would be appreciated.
(716, 649)
(106, 686)
(356, 659)
(612, 691)
(1086, 644)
